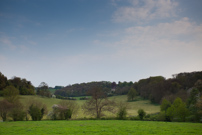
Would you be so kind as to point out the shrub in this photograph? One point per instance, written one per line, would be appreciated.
(122, 113)
(17, 113)
(135, 118)
(122, 110)
(161, 116)
(141, 113)
(60, 113)
(36, 110)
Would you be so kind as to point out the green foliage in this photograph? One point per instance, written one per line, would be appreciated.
(161, 116)
(122, 110)
(43, 90)
(25, 87)
(177, 111)
(132, 94)
(194, 96)
(11, 94)
(3, 83)
(141, 113)
(17, 113)
(165, 105)
(35, 112)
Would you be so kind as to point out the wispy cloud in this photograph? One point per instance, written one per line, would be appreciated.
(5, 41)
(177, 40)
(145, 10)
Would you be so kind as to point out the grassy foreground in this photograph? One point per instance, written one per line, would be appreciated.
(99, 127)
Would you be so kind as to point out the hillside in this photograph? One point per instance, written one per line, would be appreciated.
(153, 88)
(132, 111)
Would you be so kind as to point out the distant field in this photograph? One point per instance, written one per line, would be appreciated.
(99, 127)
(132, 111)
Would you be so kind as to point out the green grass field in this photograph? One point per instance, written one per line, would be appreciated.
(99, 127)
(132, 111)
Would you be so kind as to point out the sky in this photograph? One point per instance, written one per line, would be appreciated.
(63, 42)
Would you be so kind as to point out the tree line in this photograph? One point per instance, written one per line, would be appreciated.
(153, 88)
(179, 97)
(25, 87)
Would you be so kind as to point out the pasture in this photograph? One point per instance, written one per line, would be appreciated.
(132, 110)
(99, 127)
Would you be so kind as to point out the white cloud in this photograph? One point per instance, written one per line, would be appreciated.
(168, 47)
(141, 10)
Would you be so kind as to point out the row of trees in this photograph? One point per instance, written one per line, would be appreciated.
(96, 106)
(152, 88)
(25, 87)
(12, 107)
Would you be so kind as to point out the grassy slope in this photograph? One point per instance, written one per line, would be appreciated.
(134, 106)
(103, 127)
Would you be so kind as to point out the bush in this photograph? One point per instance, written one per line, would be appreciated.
(121, 115)
(154, 117)
(60, 113)
(161, 116)
(36, 110)
(135, 118)
(141, 113)
(17, 113)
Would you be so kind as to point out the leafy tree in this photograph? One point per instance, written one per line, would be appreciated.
(43, 90)
(3, 83)
(5, 107)
(165, 105)
(141, 114)
(98, 103)
(36, 109)
(11, 94)
(122, 110)
(177, 111)
(194, 96)
(16, 112)
(131, 94)
(25, 87)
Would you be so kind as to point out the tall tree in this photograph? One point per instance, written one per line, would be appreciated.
(132, 94)
(3, 83)
(98, 103)
(43, 90)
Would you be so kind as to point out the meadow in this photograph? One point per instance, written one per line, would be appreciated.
(99, 127)
(132, 110)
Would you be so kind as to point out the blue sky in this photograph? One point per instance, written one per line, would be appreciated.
(63, 42)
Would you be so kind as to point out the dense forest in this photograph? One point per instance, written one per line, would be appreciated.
(153, 88)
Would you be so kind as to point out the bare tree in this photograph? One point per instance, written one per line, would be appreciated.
(5, 107)
(98, 103)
